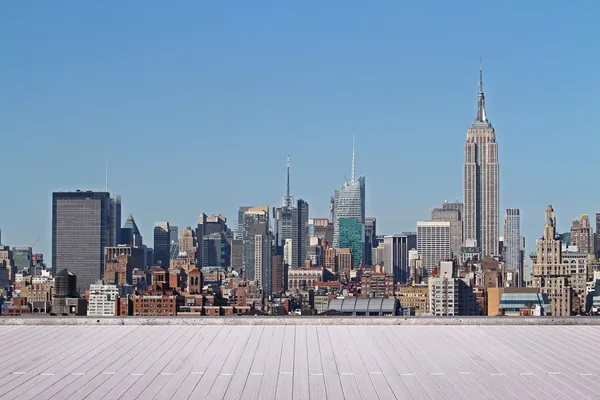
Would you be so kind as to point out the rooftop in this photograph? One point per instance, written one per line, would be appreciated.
(299, 361)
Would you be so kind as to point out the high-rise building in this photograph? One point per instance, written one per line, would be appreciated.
(352, 236)
(349, 202)
(433, 243)
(216, 250)
(370, 239)
(512, 241)
(174, 238)
(451, 212)
(130, 233)
(115, 220)
(23, 258)
(162, 244)
(303, 237)
(396, 249)
(188, 244)
(550, 275)
(582, 235)
(481, 212)
(255, 221)
(81, 224)
(597, 233)
(321, 228)
(207, 225)
(291, 224)
(263, 259)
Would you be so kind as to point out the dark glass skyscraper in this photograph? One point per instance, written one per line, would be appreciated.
(81, 224)
(352, 236)
(162, 244)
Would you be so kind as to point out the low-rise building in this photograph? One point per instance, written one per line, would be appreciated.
(103, 300)
(304, 278)
(415, 298)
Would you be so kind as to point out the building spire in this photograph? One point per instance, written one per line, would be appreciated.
(481, 98)
(287, 200)
(106, 181)
(353, 154)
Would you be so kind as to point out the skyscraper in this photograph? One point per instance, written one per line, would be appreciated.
(255, 222)
(451, 212)
(130, 233)
(512, 241)
(352, 236)
(162, 244)
(582, 235)
(81, 223)
(433, 243)
(115, 220)
(481, 181)
(303, 237)
(370, 239)
(291, 224)
(396, 249)
(349, 202)
(174, 238)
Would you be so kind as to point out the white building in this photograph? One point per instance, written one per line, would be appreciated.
(451, 296)
(433, 243)
(103, 300)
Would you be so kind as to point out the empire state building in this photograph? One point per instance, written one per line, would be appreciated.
(481, 180)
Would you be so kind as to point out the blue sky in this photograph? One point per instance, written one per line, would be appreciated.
(195, 105)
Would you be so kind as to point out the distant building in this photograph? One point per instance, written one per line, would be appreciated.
(481, 183)
(81, 225)
(352, 236)
(414, 298)
(370, 240)
(395, 255)
(451, 212)
(433, 243)
(550, 275)
(322, 228)
(119, 263)
(188, 244)
(377, 284)
(130, 233)
(450, 296)
(174, 238)
(304, 278)
(512, 241)
(582, 235)
(66, 300)
(344, 263)
(22, 258)
(349, 202)
(115, 220)
(103, 300)
(255, 221)
(162, 244)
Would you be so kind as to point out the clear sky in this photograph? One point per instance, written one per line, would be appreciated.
(196, 104)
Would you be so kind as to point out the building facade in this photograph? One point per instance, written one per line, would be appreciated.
(481, 181)
(352, 236)
(582, 235)
(550, 275)
(451, 212)
(433, 243)
(81, 223)
(512, 241)
(396, 249)
(162, 244)
(103, 300)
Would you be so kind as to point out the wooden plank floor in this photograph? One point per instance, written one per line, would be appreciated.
(301, 362)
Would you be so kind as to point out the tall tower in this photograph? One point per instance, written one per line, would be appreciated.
(81, 223)
(481, 180)
(512, 241)
(349, 202)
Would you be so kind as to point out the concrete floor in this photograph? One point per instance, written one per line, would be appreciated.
(299, 362)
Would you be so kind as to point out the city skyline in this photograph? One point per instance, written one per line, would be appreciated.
(386, 108)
